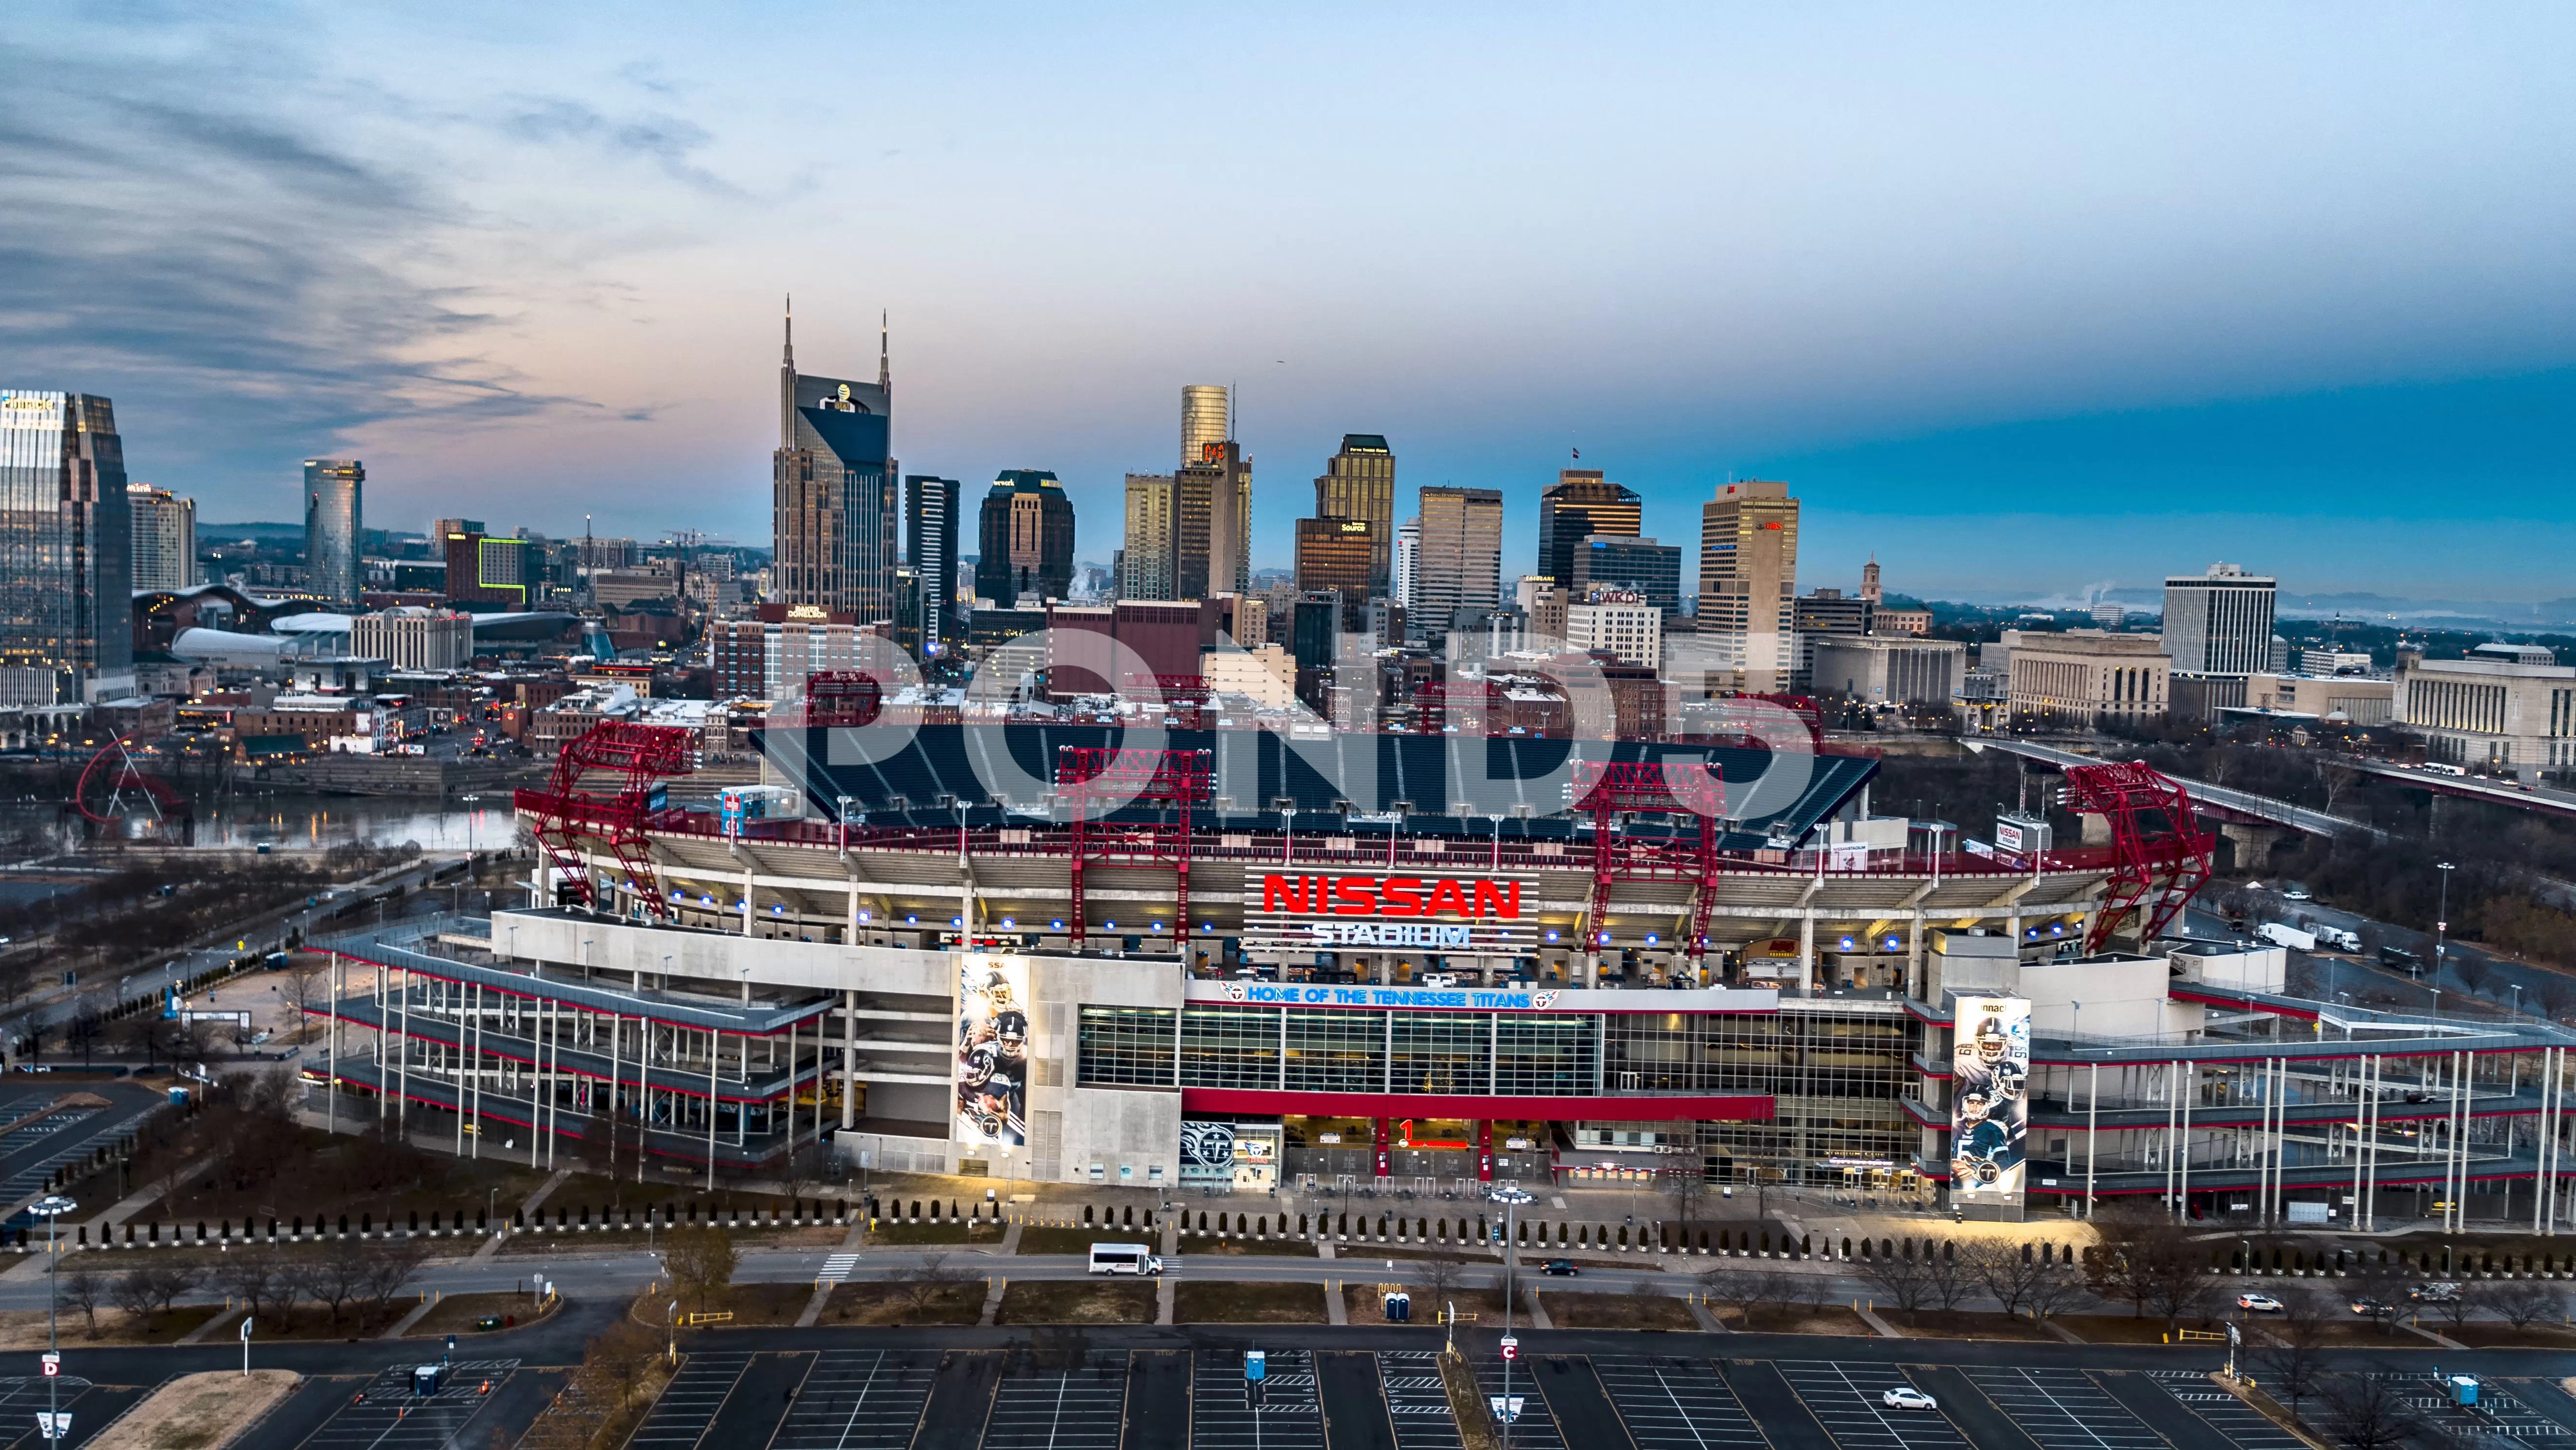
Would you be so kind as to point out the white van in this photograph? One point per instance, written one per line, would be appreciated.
(1124, 1259)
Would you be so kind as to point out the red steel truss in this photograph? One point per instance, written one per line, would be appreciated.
(112, 785)
(1089, 776)
(2155, 867)
(1609, 789)
(575, 807)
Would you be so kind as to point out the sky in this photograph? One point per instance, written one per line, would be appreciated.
(2022, 300)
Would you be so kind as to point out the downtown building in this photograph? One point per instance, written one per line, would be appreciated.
(1748, 586)
(1024, 531)
(2218, 633)
(66, 551)
(1580, 506)
(834, 503)
(1459, 570)
(335, 529)
(930, 514)
(164, 527)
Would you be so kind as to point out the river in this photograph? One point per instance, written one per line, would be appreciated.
(302, 821)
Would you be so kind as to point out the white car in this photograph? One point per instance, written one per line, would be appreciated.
(2258, 1303)
(1907, 1398)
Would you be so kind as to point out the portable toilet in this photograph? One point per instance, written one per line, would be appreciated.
(2464, 1390)
(1399, 1308)
(425, 1379)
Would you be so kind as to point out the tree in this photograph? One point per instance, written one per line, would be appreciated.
(84, 1031)
(2464, 1300)
(83, 1288)
(1687, 1192)
(926, 1283)
(2474, 970)
(154, 1287)
(1756, 1288)
(304, 982)
(1901, 1281)
(333, 1274)
(2153, 1264)
(2364, 1412)
(2291, 1348)
(1945, 1279)
(254, 1276)
(1437, 1280)
(702, 1261)
(2009, 1272)
(2525, 1302)
(389, 1265)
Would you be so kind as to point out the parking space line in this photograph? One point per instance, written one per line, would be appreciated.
(1222, 1416)
(1058, 1409)
(2062, 1409)
(2240, 1422)
(1537, 1428)
(1855, 1418)
(387, 1415)
(689, 1402)
(858, 1400)
(1417, 1400)
(1669, 1403)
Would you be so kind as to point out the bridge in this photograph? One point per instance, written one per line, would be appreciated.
(2537, 799)
(2230, 807)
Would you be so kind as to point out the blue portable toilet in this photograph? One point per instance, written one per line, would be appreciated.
(425, 1379)
(2464, 1390)
(1399, 1308)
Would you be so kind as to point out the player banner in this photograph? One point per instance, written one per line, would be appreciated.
(992, 1069)
(1989, 1101)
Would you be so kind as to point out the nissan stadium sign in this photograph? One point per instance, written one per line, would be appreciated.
(1472, 915)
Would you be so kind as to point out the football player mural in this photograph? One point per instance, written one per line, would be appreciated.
(1990, 1101)
(992, 1053)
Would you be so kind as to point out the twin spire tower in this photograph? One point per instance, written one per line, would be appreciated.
(835, 499)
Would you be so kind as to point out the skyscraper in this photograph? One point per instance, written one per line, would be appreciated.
(930, 547)
(1408, 561)
(335, 523)
(1579, 504)
(1637, 565)
(1748, 584)
(485, 570)
(1359, 483)
(1025, 535)
(1212, 524)
(1207, 416)
(1146, 563)
(2219, 622)
(1336, 555)
(833, 501)
(66, 553)
(165, 537)
(1462, 556)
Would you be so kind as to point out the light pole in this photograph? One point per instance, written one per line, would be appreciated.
(1511, 1199)
(2442, 924)
(53, 1206)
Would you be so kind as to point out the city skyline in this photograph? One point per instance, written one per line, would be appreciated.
(2216, 289)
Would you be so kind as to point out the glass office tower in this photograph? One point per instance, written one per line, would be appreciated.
(66, 551)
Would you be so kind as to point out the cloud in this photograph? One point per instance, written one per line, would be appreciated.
(665, 140)
(246, 286)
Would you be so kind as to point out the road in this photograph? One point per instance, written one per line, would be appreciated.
(2410, 991)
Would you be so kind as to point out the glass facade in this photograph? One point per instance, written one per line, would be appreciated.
(66, 551)
(1126, 1047)
(335, 521)
(1834, 1080)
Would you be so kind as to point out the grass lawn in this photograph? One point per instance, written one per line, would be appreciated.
(1962, 1324)
(2124, 1328)
(1361, 1300)
(941, 1231)
(880, 1303)
(1217, 1301)
(1043, 1240)
(1289, 1248)
(1077, 1302)
(1836, 1319)
(456, 1313)
(1616, 1311)
(2492, 1335)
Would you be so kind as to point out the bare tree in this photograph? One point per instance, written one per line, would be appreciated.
(83, 1289)
(305, 982)
(154, 1288)
(2291, 1349)
(702, 1262)
(2007, 1271)
(2474, 970)
(254, 1276)
(2525, 1302)
(1945, 1279)
(2335, 778)
(2155, 1266)
(2363, 1412)
(389, 1265)
(929, 1281)
(1901, 1281)
(332, 1275)
(1755, 1288)
(2463, 1300)
(1437, 1280)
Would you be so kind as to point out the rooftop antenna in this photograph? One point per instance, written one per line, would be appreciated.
(885, 354)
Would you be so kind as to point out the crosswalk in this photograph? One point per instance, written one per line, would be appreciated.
(837, 1268)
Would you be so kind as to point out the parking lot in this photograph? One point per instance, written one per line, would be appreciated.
(2063, 1409)
(1845, 1400)
(687, 1409)
(1222, 1416)
(857, 1400)
(391, 1417)
(1676, 1403)
(2226, 1414)
(1416, 1401)
(90, 1406)
(1052, 1409)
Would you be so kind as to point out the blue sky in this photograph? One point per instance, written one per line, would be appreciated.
(2024, 300)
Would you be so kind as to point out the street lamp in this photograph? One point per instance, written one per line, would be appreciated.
(2442, 921)
(1511, 1199)
(52, 1206)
